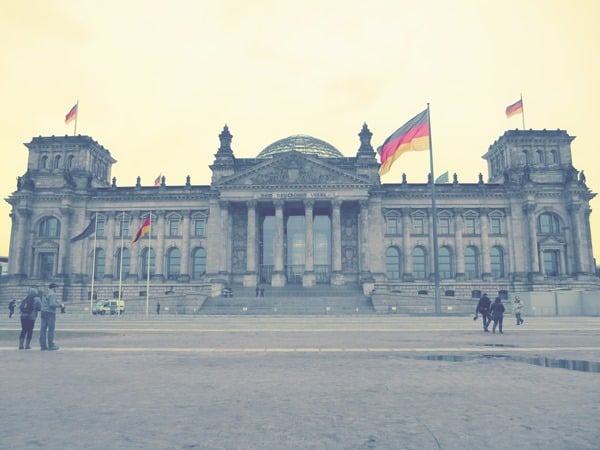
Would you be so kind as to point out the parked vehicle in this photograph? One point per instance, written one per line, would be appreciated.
(109, 307)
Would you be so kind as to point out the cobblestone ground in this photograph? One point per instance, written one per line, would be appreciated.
(302, 383)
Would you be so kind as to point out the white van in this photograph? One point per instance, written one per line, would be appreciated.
(113, 306)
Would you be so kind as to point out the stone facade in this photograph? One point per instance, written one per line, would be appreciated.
(297, 216)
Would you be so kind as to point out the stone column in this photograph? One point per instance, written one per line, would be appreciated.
(485, 245)
(135, 267)
(160, 273)
(250, 277)
(336, 243)
(111, 253)
(534, 261)
(21, 218)
(364, 266)
(225, 245)
(65, 249)
(578, 238)
(278, 279)
(309, 277)
(407, 246)
(458, 243)
(186, 219)
(431, 253)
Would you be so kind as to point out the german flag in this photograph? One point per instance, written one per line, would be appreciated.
(145, 228)
(412, 136)
(72, 114)
(515, 108)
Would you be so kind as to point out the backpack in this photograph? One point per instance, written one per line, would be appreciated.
(26, 306)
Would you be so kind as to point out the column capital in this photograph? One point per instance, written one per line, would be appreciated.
(223, 204)
(278, 204)
(309, 203)
(484, 211)
(251, 204)
(406, 212)
(529, 208)
(573, 208)
(336, 203)
(364, 204)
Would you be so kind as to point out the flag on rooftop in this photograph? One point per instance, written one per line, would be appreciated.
(72, 114)
(515, 108)
(157, 180)
(412, 136)
(443, 178)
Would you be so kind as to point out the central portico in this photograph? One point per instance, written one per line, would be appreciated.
(299, 218)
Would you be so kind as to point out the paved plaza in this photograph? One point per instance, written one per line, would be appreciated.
(318, 382)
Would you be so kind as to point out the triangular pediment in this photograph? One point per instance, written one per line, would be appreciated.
(293, 169)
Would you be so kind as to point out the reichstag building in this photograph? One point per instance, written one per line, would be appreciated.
(301, 213)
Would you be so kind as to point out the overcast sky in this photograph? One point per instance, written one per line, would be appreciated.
(157, 81)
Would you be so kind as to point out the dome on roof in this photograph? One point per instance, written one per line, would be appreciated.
(303, 144)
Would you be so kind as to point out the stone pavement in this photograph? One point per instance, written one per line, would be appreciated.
(359, 382)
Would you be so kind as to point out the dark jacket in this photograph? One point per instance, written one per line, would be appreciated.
(483, 306)
(497, 309)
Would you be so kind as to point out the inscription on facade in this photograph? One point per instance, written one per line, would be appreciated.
(298, 195)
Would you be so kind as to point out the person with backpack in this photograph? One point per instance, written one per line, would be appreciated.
(28, 311)
(483, 308)
(49, 305)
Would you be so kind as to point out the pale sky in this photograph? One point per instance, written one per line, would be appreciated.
(157, 80)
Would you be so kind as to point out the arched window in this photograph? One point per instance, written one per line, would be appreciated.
(539, 157)
(552, 158)
(419, 263)
(548, 224)
(471, 263)
(70, 161)
(148, 255)
(126, 261)
(392, 263)
(198, 263)
(49, 227)
(497, 262)
(44, 162)
(57, 161)
(445, 263)
(99, 264)
(173, 263)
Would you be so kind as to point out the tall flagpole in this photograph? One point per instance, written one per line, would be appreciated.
(522, 111)
(121, 261)
(93, 264)
(148, 271)
(438, 306)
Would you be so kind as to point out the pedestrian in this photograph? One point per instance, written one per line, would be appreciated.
(28, 312)
(257, 291)
(49, 305)
(483, 308)
(497, 310)
(62, 308)
(262, 292)
(11, 308)
(517, 307)
(157, 307)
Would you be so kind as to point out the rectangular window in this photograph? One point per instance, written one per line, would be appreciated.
(495, 225)
(551, 263)
(417, 224)
(174, 227)
(391, 225)
(100, 228)
(444, 226)
(469, 226)
(124, 227)
(200, 227)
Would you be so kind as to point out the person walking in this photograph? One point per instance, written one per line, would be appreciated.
(29, 310)
(497, 310)
(11, 308)
(517, 308)
(157, 307)
(49, 305)
(483, 308)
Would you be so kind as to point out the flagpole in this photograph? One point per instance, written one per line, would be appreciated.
(76, 116)
(522, 112)
(148, 258)
(438, 306)
(93, 264)
(121, 261)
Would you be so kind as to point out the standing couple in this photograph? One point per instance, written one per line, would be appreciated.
(46, 303)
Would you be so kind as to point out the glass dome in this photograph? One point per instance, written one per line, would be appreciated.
(303, 144)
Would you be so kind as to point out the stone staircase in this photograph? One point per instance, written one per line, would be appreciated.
(290, 300)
